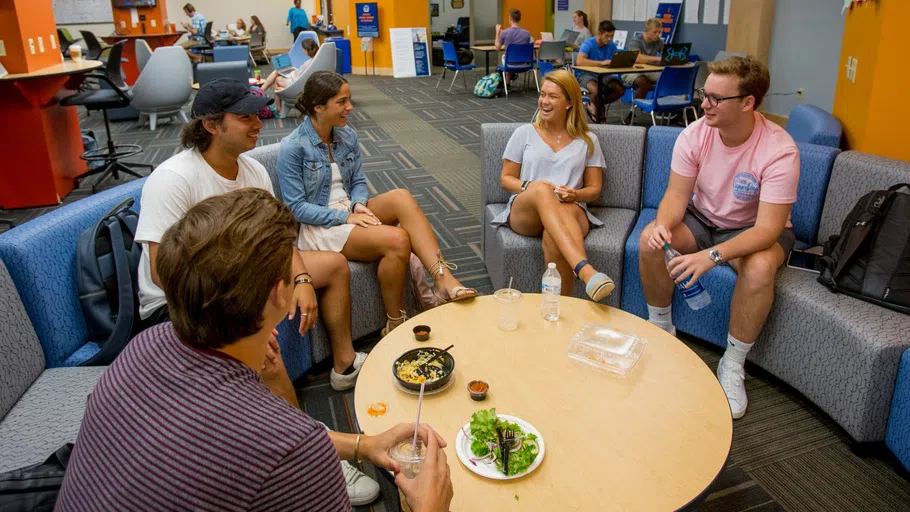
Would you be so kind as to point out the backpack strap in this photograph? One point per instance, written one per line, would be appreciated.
(120, 335)
(860, 230)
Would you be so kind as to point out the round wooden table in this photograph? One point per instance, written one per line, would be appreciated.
(654, 440)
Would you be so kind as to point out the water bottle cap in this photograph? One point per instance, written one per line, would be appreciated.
(666, 245)
(551, 265)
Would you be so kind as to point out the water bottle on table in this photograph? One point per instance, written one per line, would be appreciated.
(550, 287)
(696, 295)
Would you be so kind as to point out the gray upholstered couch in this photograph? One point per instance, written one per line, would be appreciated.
(840, 352)
(368, 312)
(508, 254)
(40, 409)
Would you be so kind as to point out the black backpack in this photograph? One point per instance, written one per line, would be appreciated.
(107, 267)
(465, 56)
(870, 258)
(35, 488)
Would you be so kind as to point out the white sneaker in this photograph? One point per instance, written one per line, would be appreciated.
(732, 378)
(362, 490)
(341, 382)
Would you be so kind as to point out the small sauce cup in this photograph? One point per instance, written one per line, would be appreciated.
(478, 390)
(422, 332)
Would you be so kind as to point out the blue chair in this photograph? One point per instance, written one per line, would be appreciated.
(545, 67)
(296, 53)
(233, 53)
(450, 62)
(712, 323)
(898, 435)
(41, 258)
(674, 93)
(519, 59)
(808, 123)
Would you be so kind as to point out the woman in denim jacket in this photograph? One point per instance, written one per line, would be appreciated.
(319, 170)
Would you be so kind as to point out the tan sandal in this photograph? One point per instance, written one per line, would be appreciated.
(438, 270)
(388, 328)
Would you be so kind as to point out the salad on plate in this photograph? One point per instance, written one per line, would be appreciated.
(491, 436)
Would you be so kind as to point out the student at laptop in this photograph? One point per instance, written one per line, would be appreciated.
(195, 31)
(183, 419)
(580, 25)
(598, 51)
(649, 45)
(283, 81)
(744, 172)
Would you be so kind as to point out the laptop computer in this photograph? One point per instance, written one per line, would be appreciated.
(675, 54)
(546, 36)
(282, 64)
(568, 36)
(623, 59)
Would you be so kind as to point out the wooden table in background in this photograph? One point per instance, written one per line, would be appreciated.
(129, 49)
(43, 140)
(654, 440)
(602, 71)
(486, 49)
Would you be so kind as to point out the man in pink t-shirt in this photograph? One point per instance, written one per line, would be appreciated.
(733, 181)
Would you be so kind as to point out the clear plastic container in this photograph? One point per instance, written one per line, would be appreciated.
(409, 460)
(606, 348)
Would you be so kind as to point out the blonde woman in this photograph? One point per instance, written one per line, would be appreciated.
(553, 167)
(238, 29)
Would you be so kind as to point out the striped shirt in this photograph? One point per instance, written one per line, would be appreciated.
(173, 427)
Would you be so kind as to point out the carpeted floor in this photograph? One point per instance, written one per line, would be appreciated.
(786, 455)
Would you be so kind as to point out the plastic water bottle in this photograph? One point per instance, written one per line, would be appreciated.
(550, 287)
(696, 295)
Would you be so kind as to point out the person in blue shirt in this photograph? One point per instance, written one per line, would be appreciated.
(195, 31)
(297, 19)
(598, 51)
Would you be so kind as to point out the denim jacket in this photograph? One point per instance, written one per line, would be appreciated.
(305, 173)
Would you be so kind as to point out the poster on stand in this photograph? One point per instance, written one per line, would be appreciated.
(367, 20)
(668, 14)
(410, 52)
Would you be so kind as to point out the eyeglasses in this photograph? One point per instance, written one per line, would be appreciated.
(715, 100)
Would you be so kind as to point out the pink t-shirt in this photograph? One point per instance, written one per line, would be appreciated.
(730, 182)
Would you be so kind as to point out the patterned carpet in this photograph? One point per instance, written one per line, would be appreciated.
(786, 455)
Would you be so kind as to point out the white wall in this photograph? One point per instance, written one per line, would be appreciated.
(272, 13)
(805, 53)
(448, 15)
(562, 20)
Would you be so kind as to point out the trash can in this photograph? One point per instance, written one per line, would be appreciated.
(343, 64)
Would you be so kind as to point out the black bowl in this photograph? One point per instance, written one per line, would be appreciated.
(448, 367)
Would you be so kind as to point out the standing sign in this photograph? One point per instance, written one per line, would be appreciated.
(410, 52)
(668, 14)
(367, 20)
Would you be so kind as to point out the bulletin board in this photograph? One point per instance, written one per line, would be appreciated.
(83, 11)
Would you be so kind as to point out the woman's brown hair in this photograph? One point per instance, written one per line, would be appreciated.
(318, 90)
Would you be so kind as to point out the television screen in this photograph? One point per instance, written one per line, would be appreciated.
(134, 3)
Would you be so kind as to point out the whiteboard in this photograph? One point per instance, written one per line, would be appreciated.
(83, 11)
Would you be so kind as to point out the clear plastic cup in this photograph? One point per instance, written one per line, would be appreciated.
(76, 53)
(409, 460)
(509, 301)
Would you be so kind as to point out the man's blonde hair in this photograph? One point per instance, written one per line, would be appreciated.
(754, 78)
(653, 22)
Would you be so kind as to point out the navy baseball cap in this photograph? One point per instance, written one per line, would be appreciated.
(227, 95)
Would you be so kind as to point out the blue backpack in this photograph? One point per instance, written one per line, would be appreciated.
(107, 269)
(489, 86)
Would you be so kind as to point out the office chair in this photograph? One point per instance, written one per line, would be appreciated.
(104, 99)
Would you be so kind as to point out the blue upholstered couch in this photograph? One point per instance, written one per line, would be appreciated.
(898, 435)
(41, 258)
(840, 352)
(810, 124)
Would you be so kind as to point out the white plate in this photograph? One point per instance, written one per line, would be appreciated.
(489, 469)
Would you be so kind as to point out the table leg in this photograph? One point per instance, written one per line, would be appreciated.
(488, 62)
(598, 100)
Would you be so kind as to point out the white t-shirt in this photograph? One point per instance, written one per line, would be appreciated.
(173, 188)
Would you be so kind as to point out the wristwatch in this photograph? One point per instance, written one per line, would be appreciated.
(715, 256)
(524, 185)
(303, 280)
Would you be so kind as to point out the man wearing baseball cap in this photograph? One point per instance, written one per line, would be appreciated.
(225, 125)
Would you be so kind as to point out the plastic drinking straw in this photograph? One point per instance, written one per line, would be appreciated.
(510, 282)
(417, 422)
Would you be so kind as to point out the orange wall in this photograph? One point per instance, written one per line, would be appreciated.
(868, 108)
(533, 15)
(392, 14)
(123, 21)
(21, 20)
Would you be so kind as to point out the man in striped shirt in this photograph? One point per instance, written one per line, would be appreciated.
(183, 420)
